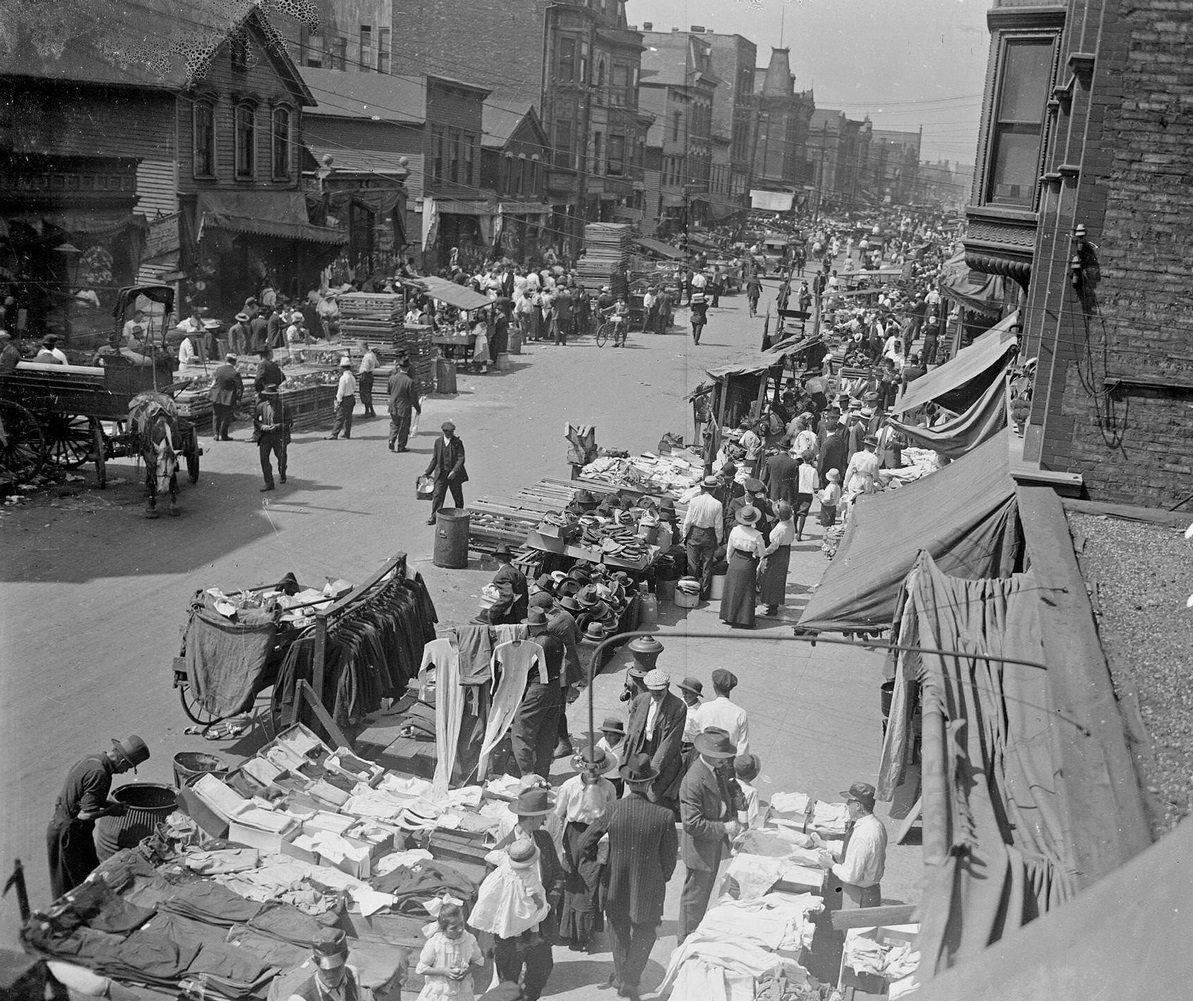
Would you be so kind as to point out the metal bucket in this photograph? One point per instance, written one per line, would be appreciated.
(190, 766)
(149, 803)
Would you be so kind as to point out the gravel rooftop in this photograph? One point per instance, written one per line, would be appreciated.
(1140, 575)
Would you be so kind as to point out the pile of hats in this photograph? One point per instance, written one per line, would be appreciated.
(593, 594)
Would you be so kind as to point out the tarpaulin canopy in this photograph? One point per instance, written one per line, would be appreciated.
(961, 380)
(986, 416)
(281, 215)
(660, 248)
(761, 361)
(993, 786)
(460, 296)
(772, 201)
(964, 515)
(1126, 937)
(972, 289)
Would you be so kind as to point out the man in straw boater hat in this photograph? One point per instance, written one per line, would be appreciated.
(709, 821)
(333, 979)
(84, 798)
(642, 856)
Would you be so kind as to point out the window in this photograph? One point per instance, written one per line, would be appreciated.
(383, 50)
(616, 165)
(203, 113)
(619, 85)
(453, 143)
(246, 138)
(365, 62)
(563, 143)
(469, 155)
(505, 172)
(437, 154)
(1017, 124)
(521, 175)
(582, 73)
(566, 63)
(600, 77)
(314, 51)
(280, 137)
(675, 116)
(238, 46)
(341, 56)
(598, 160)
(536, 175)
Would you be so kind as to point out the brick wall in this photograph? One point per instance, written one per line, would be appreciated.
(1136, 201)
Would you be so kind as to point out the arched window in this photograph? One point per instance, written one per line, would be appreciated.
(600, 78)
(203, 119)
(246, 139)
(280, 139)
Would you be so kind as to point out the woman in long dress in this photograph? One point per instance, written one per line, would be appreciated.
(743, 550)
(778, 559)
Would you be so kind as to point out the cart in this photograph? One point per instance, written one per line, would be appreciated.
(69, 415)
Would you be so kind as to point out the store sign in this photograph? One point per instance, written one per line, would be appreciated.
(163, 237)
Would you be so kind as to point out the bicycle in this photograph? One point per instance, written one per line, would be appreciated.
(602, 333)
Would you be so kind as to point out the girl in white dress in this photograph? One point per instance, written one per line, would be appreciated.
(446, 958)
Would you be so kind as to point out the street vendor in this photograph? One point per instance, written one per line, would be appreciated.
(333, 979)
(84, 799)
(861, 862)
(510, 582)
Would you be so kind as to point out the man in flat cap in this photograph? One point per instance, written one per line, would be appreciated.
(84, 798)
(447, 469)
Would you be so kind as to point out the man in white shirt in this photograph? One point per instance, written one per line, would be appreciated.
(699, 281)
(721, 714)
(368, 365)
(703, 532)
(345, 401)
(863, 859)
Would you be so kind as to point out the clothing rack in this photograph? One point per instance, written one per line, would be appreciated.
(394, 569)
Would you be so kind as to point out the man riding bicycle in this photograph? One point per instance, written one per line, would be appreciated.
(618, 315)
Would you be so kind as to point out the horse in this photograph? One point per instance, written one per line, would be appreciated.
(153, 421)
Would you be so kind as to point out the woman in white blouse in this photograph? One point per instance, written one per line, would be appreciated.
(744, 549)
(778, 559)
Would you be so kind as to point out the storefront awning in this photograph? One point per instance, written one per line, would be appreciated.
(456, 206)
(525, 208)
(960, 381)
(278, 215)
(460, 296)
(971, 289)
(660, 249)
(962, 434)
(98, 223)
(964, 515)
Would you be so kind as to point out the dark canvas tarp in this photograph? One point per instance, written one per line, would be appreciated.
(971, 289)
(957, 383)
(962, 434)
(226, 661)
(964, 515)
(1126, 937)
(993, 792)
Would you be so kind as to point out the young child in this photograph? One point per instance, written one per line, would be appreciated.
(830, 497)
(746, 768)
(612, 742)
(446, 957)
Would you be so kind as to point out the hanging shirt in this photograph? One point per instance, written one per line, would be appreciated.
(514, 660)
(865, 854)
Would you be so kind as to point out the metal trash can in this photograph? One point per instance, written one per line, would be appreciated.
(190, 766)
(451, 539)
(149, 803)
(445, 376)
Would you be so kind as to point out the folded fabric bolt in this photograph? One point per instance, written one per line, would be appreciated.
(388, 863)
(413, 886)
(289, 924)
(222, 861)
(262, 769)
(209, 901)
(790, 802)
(333, 823)
(219, 796)
(271, 951)
(774, 921)
(270, 821)
(325, 792)
(468, 797)
(831, 816)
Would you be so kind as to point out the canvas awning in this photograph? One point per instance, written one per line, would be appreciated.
(771, 201)
(661, 249)
(986, 416)
(964, 515)
(971, 289)
(1126, 937)
(960, 381)
(279, 215)
(762, 361)
(460, 296)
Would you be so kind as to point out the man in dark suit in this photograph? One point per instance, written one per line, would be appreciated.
(268, 373)
(642, 855)
(227, 387)
(536, 722)
(706, 811)
(403, 401)
(834, 454)
(779, 475)
(511, 584)
(656, 728)
(259, 330)
(447, 469)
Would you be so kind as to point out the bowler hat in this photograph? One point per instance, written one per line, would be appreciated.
(533, 803)
(713, 743)
(725, 680)
(594, 631)
(330, 948)
(133, 750)
(862, 792)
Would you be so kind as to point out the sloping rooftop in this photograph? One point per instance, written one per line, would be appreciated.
(501, 117)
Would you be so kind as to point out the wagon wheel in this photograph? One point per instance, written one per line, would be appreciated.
(194, 708)
(70, 439)
(22, 444)
(102, 448)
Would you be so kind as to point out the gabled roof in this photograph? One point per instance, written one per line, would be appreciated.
(146, 43)
(370, 96)
(502, 116)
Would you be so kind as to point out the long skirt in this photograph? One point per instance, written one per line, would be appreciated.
(774, 578)
(580, 915)
(739, 598)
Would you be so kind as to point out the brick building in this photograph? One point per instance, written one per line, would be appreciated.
(838, 152)
(893, 165)
(513, 157)
(1082, 194)
(784, 117)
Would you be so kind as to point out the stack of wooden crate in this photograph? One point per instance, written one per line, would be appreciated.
(606, 257)
(377, 318)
